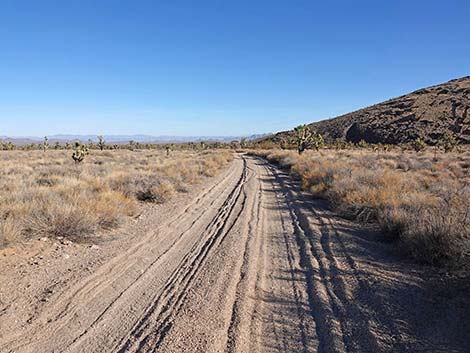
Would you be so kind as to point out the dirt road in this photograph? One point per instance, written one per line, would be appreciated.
(249, 265)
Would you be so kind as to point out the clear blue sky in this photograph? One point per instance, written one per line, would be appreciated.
(216, 67)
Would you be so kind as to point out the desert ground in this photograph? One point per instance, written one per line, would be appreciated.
(242, 261)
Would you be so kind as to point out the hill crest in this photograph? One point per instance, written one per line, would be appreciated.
(428, 113)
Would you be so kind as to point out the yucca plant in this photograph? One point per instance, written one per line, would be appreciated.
(284, 143)
(340, 144)
(448, 142)
(80, 152)
(419, 144)
(101, 143)
(362, 144)
(306, 138)
(45, 144)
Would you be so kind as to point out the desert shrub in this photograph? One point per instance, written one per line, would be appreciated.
(10, 230)
(448, 142)
(44, 194)
(419, 144)
(436, 237)
(159, 191)
(54, 219)
(362, 144)
(416, 199)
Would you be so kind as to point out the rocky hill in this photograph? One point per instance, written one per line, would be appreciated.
(428, 113)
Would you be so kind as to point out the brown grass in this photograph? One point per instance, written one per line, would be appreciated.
(421, 200)
(46, 194)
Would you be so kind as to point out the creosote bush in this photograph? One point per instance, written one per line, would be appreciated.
(421, 200)
(45, 195)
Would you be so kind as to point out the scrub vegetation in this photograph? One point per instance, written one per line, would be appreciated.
(44, 193)
(420, 199)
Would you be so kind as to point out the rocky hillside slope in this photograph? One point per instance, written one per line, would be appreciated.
(428, 113)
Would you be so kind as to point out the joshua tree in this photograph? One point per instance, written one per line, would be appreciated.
(81, 151)
(306, 138)
(340, 144)
(243, 142)
(57, 145)
(168, 149)
(234, 144)
(101, 142)
(448, 142)
(363, 144)
(45, 144)
(284, 143)
(28, 147)
(419, 144)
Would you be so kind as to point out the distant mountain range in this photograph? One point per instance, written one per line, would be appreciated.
(121, 139)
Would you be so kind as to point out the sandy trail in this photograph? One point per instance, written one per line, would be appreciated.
(249, 265)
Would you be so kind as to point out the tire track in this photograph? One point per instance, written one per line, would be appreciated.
(99, 284)
(157, 321)
(322, 305)
(358, 335)
(243, 306)
(291, 259)
(247, 266)
(362, 330)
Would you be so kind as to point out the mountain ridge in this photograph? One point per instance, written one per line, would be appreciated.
(428, 113)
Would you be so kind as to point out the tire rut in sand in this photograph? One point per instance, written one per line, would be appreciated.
(243, 307)
(323, 308)
(269, 311)
(152, 328)
(248, 266)
(334, 280)
(51, 330)
(303, 330)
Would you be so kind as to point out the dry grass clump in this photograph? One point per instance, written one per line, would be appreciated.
(422, 200)
(46, 194)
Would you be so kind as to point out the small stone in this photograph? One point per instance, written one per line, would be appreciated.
(66, 256)
(44, 239)
(94, 247)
